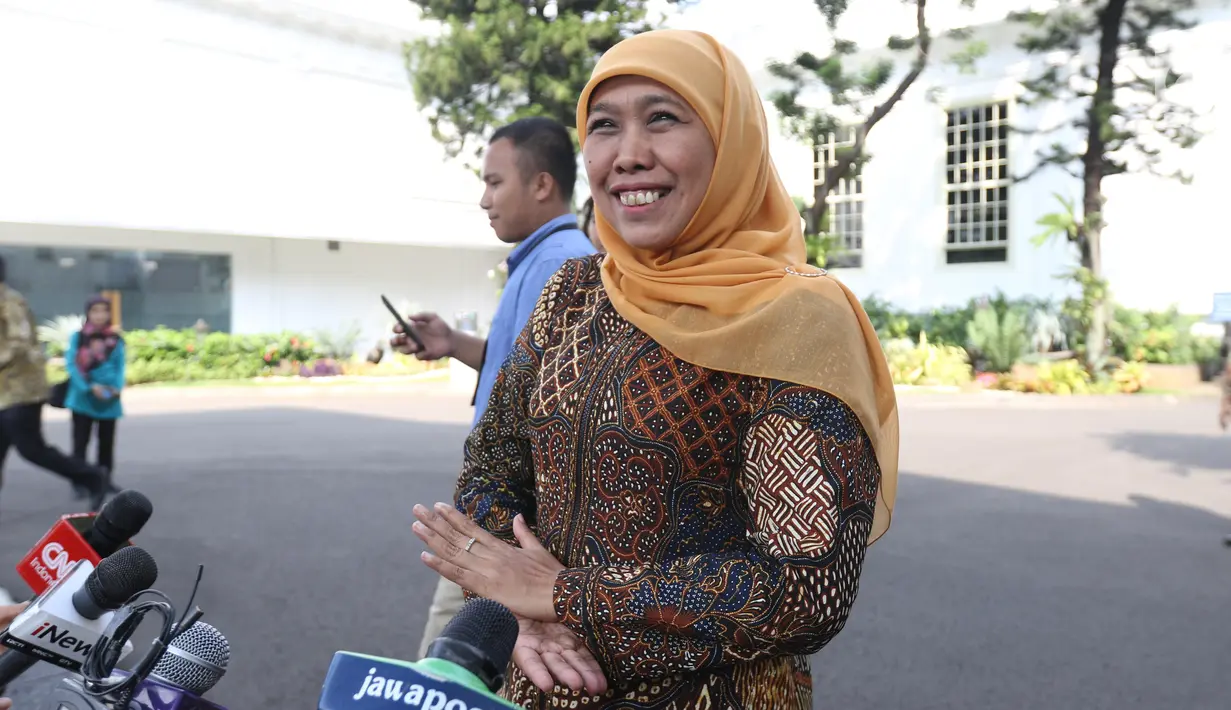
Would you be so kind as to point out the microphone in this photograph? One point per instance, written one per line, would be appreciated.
(193, 662)
(196, 659)
(84, 537)
(62, 625)
(73, 538)
(116, 579)
(81, 537)
(71, 694)
(462, 671)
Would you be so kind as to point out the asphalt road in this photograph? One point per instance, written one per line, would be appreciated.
(1061, 554)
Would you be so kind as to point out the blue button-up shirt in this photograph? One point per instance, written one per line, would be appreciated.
(532, 263)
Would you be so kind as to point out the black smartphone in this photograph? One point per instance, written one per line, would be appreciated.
(410, 332)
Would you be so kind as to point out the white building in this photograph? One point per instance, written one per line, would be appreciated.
(262, 164)
(259, 164)
(1165, 243)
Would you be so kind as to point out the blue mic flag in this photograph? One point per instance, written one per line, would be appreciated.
(360, 682)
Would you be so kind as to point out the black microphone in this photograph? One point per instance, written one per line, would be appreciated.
(120, 519)
(116, 523)
(63, 624)
(193, 662)
(480, 641)
(117, 578)
(464, 668)
(81, 537)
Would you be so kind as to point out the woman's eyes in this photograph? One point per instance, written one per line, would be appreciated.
(597, 124)
(656, 117)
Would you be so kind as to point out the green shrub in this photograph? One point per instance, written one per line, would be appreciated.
(1163, 337)
(393, 365)
(148, 371)
(946, 325)
(1063, 377)
(56, 372)
(926, 364)
(1158, 337)
(56, 333)
(338, 344)
(890, 322)
(1000, 340)
(1130, 377)
(1069, 377)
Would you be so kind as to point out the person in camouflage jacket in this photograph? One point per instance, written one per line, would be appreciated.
(23, 390)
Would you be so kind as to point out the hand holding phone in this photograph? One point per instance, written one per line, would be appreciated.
(406, 327)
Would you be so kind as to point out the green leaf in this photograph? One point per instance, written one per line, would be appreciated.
(1128, 120)
(499, 60)
(854, 85)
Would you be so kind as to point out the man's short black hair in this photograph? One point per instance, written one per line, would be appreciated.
(2, 269)
(543, 146)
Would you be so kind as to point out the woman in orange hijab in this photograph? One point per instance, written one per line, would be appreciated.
(695, 440)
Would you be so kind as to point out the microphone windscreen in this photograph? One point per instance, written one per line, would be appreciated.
(487, 625)
(120, 519)
(120, 576)
(195, 660)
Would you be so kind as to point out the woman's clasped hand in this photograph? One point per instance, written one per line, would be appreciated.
(523, 579)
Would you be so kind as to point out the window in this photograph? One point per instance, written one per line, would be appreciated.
(156, 288)
(977, 184)
(845, 201)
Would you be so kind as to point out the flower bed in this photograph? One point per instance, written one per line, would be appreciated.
(1029, 345)
(165, 355)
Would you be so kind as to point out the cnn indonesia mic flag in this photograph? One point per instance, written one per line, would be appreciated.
(84, 537)
(55, 553)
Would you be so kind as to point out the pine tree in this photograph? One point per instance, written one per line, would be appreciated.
(852, 91)
(499, 60)
(1124, 123)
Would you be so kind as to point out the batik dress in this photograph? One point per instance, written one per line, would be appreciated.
(713, 525)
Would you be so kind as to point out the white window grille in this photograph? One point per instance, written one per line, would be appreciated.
(977, 183)
(845, 200)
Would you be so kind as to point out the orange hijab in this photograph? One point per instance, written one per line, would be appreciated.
(735, 292)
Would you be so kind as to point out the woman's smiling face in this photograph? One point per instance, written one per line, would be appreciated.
(649, 158)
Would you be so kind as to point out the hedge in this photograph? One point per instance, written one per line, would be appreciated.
(976, 343)
(166, 355)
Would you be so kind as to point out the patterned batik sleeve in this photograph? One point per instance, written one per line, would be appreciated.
(497, 479)
(810, 478)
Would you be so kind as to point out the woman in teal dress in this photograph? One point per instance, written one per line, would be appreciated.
(95, 363)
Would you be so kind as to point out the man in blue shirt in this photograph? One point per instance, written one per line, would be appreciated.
(529, 169)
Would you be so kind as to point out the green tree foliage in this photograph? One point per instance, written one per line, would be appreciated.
(499, 60)
(853, 90)
(1124, 117)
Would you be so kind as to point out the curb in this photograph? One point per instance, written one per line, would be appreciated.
(315, 385)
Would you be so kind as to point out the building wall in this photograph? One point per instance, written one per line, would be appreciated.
(221, 116)
(292, 284)
(258, 129)
(1164, 243)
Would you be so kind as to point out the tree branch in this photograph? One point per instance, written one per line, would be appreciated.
(845, 159)
(1038, 168)
(1042, 131)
